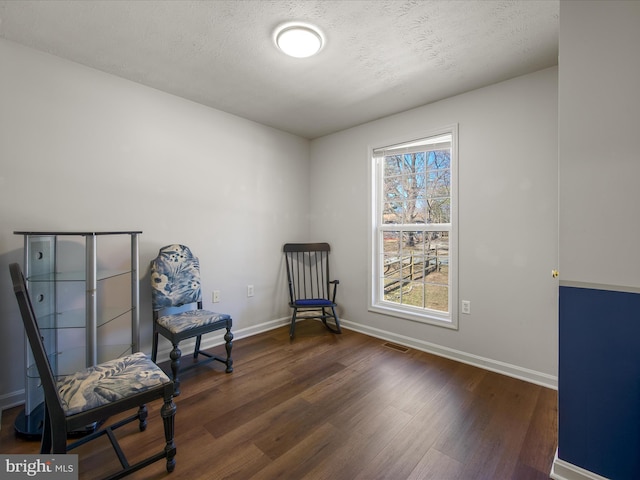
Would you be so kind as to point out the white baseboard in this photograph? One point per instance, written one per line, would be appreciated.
(16, 398)
(562, 470)
(211, 341)
(515, 371)
(12, 399)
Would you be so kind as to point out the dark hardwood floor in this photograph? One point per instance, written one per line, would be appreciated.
(338, 407)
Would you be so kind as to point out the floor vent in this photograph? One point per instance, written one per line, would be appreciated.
(398, 348)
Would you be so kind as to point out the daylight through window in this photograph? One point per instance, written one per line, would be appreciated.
(414, 229)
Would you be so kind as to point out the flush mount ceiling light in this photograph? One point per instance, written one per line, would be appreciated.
(298, 40)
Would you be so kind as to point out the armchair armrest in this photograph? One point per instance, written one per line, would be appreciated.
(335, 288)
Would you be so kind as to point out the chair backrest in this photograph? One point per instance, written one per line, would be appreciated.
(52, 398)
(307, 270)
(175, 278)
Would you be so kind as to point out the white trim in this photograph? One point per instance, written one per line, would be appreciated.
(497, 366)
(561, 470)
(211, 341)
(16, 398)
(406, 312)
(375, 303)
(600, 286)
(12, 399)
(515, 371)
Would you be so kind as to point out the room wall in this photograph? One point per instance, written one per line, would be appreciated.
(83, 150)
(508, 180)
(599, 118)
(80, 149)
(599, 115)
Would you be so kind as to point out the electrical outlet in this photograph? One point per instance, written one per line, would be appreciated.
(249, 290)
(215, 297)
(466, 306)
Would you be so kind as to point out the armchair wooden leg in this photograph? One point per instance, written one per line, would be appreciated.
(335, 317)
(168, 412)
(292, 329)
(45, 446)
(228, 345)
(196, 350)
(154, 346)
(59, 441)
(175, 366)
(142, 417)
(54, 440)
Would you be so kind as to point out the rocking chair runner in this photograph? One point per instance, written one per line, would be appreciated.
(309, 284)
(94, 394)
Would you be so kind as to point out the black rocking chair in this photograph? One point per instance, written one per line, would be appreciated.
(94, 394)
(310, 292)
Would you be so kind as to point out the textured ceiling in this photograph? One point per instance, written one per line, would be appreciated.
(381, 56)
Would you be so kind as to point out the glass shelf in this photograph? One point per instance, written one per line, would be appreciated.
(75, 276)
(77, 318)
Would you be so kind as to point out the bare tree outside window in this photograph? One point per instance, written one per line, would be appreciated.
(414, 224)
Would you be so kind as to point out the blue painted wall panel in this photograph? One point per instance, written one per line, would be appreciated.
(599, 381)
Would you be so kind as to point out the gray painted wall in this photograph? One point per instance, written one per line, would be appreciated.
(599, 148)
(508, 216)
(80, 149)
(83, 150)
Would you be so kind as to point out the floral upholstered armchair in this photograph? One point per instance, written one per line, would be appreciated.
(92, 395)
(175, 282)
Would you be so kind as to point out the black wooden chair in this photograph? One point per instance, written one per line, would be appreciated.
(175, 282)
(311, 292)
(94, 394)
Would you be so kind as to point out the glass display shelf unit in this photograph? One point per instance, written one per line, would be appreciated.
(84, 308)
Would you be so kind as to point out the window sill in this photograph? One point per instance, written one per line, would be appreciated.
(414, 316)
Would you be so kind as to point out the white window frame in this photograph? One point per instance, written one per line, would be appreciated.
(376, 302)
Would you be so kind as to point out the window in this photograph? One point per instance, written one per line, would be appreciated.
(413, 216)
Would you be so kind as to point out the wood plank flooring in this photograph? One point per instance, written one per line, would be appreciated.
(338, 407)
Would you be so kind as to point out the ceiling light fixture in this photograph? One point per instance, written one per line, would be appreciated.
(298, 40)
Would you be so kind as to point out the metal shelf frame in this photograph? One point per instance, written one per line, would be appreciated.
(44, 278)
